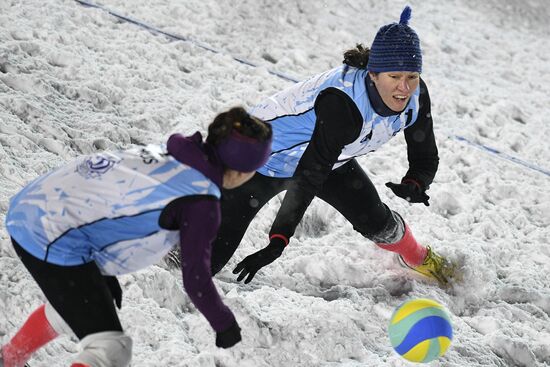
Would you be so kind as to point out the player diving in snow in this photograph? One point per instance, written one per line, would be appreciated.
(319, 126)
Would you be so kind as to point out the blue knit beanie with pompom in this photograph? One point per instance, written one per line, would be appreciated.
(396, 47)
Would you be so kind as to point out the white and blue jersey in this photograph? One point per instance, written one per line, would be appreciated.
(105, 208)
(292, 116)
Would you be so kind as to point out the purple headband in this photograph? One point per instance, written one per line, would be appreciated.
(243, 153)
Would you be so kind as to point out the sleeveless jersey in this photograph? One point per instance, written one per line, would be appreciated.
(292, 117)
(105, 208)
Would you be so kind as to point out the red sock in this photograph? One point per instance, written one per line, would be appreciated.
(411, 251)
(79, 365)
(35, 333)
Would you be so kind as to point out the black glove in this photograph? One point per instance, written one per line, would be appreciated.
(114, 287)
(410, 190)
(229, 337)
(252, 263)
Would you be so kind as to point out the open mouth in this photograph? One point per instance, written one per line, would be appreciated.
(401, 98)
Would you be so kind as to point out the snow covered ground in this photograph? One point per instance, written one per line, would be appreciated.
(74, 80)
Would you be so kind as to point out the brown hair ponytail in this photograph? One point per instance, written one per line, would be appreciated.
(237, 118)
(357, 57)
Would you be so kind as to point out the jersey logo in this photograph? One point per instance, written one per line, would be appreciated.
(96, 166)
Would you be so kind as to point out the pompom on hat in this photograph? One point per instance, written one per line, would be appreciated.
(396, 47)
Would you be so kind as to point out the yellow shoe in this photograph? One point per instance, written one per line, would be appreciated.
(434, 267)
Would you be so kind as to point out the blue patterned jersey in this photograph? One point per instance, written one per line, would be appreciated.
(105, 208)
(292, 115)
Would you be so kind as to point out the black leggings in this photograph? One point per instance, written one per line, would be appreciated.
(79, 294)
(348, 189)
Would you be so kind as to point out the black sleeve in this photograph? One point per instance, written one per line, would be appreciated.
(339, 123)
(421, 145)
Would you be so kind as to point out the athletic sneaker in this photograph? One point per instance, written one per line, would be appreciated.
(434, 267)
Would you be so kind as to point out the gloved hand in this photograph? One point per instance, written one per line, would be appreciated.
(114, 287)
(410, 190)
(229, 337)
(252, 263)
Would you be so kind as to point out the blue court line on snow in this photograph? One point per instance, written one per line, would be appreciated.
(500, 154)
(284, 76)
(178, 37)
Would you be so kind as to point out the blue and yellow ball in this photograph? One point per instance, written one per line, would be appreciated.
(420, 330)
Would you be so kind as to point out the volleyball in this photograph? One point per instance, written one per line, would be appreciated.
(420, 330)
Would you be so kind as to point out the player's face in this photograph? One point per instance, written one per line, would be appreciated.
(396, 88)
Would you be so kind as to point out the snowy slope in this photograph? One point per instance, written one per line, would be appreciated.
(75, 80)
